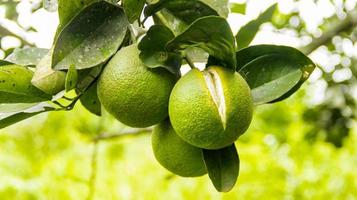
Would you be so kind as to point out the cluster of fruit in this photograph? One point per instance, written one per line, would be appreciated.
(206, 109)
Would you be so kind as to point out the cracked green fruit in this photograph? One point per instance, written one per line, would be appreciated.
(133, 93)
(210, 109)
(175, 154)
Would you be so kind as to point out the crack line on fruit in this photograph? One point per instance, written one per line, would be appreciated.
(215, 88)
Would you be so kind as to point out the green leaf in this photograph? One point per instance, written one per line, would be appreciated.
(87, 76)
(15, 107)
(238, 8)
(186, 10)
(27, 57)
(164, 17)
(153, 50)
(220, 6)
(133, 9)
(196, 54)
(46, 79)
(71, 78)
(91, 101)
(91, 37)
(4, 62)
(223, 167)
(218, 41)
(178, 14)
(8, 119)
(273, 72)
(247, 33)
(16, 118)
(67, 9)
(16, 87)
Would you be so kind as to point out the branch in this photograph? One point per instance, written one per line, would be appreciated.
(93, 175)
(8, 27)
(347, 24)
(135, 132)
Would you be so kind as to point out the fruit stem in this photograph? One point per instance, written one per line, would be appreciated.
(67, 98)
(59, 104)
(189, 62)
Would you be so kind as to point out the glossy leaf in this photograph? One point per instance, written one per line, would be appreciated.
(133, 9)
(153, 49)
(218, 41)
(90, 100)
(247, 33)
(71, 78)
(46, 79)
(67, 9)
(196, 54)
(16, 87)
(223, 167)
(91, 37)
(87, 76)
(220, 6)
(7, 119)
(27, 57)
(273, 72)
(186, 10)
(166, 18)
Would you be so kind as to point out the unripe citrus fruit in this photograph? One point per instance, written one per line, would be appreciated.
(133, 93)
(175, 154)
(212, 108)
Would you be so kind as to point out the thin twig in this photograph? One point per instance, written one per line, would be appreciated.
(345, 25)
(69, 106)
(60, 105)
(73, 103)
(68, 98)
(93, 176)
(8, 27)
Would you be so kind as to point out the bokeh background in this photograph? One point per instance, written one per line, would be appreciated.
(302, 148)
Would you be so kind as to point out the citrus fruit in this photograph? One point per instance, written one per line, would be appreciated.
(133, 93)
(175, 154)
(210, 109)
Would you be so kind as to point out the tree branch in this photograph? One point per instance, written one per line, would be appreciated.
(347, 24)
(8, 27)
(93, 176)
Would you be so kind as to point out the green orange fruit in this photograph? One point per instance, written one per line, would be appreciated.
(133, 93)
(175, 154)
(210, 109)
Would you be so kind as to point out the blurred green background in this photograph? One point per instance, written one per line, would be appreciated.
(302, 148)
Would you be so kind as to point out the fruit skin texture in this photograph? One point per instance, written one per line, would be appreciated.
(196, 116)
(134, 94)
(175, 154)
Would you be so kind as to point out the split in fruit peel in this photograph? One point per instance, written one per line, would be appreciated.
(211, 109)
